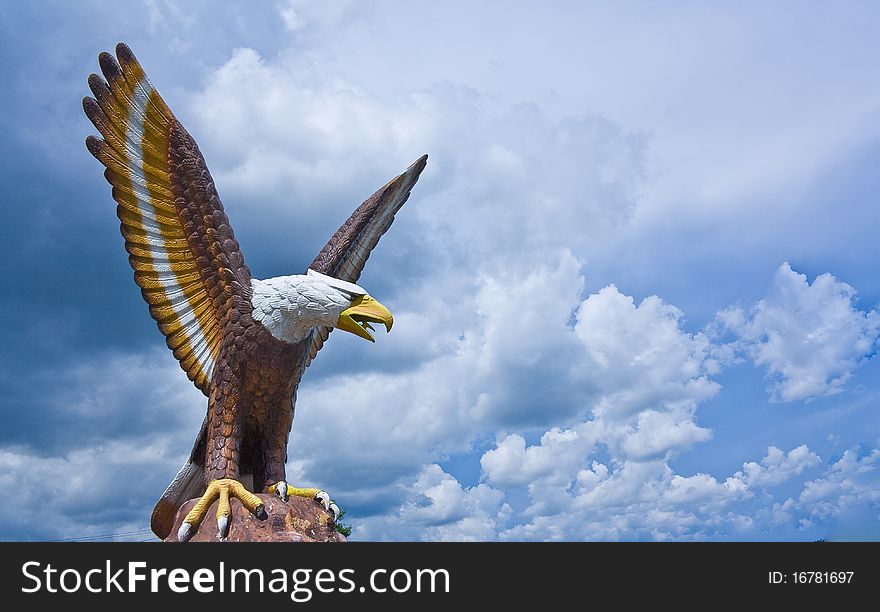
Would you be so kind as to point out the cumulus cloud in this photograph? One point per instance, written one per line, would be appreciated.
(482, 380)
(104, 491)
(852, 480)
(646, 377)
(512, 463)
(436, 507)
(506, 184)
(634, 379)
(809, 337)
(777, 466)
(621, 375)
(124, 425)
(843, 500)
(631, 499)
(642, 352)
(651, 373)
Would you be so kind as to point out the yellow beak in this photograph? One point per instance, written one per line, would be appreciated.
(363, 311)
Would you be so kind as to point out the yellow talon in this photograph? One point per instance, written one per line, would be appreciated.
(222, 488)
(223, 512)
(248, 499)
(284, 491)
(308, 492)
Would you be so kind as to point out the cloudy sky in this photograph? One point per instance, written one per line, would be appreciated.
(635, 289)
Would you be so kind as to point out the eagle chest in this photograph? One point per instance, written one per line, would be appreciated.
(263, 372)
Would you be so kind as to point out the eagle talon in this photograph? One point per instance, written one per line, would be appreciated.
(281, 489)
(222, 489)
(324, 498)
(222, 527)
(185, 532)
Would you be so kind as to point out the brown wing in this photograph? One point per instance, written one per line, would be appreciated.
(344, 256)
(185, 258)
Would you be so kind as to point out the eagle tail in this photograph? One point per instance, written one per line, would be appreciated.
(189, 483)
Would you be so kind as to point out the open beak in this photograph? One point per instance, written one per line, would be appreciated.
(363, 311)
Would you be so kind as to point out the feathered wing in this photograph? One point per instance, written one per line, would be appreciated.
(184, 255)
(345, 255)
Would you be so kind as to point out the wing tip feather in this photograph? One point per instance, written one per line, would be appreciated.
(90, 108)
(121, 92)
(109, 67)
(124, 53)
(96, 84)
(420, 163)
(95, 146)
(411, 174)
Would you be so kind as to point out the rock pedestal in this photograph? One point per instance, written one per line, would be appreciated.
(296, 520)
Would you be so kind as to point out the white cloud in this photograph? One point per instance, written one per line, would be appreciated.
(505, 185)
(641, 354)
(635, 500)
(436, 507)
(634, 380)
(639, 379)
(124, 425)
(366, 433)
(650, 372)
(511, 463)
(852, 480)
(843, 502)
(647, 377)
(289, 13)
(655, 433)
(648, 500)
(810, 337)
(777, 466)
(530, 357)
(87, 493)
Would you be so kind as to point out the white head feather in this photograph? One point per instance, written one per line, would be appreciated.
(291, 306)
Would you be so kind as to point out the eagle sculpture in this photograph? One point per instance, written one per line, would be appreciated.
(243, 342)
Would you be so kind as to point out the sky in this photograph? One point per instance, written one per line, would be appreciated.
(635, 289)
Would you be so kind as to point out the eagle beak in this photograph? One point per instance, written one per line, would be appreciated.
(363, 311)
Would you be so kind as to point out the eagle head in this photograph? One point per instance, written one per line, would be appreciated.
(291, 306)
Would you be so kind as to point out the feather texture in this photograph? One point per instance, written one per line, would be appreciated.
(184, 256)
(346, 253)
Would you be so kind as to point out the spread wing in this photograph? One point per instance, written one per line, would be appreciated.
(344, 256)
(185, 258)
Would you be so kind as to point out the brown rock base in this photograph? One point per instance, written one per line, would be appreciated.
(296, 520)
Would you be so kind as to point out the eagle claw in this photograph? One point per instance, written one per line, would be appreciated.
(223, 489)
(324, 498)
(283, 490)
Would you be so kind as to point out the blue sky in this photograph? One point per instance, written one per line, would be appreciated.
(634, 290)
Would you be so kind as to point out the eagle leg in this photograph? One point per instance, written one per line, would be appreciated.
(222, 488)
(284, 491)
